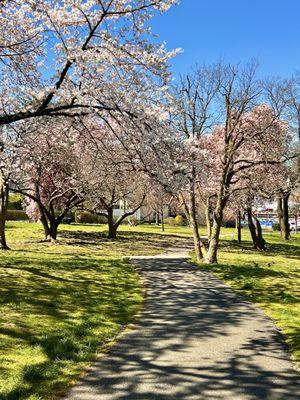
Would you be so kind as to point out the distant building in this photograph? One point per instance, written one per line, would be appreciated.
(267, 216)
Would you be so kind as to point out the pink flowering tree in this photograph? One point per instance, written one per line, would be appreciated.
(243, 151)
(48, 176)
(258, 185)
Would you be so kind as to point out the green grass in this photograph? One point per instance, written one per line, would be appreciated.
(270, 279)
(177, 231)
(61, 304)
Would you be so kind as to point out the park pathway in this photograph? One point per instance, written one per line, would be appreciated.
(195, 339)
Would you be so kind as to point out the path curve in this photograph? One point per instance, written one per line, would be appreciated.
(196, 339)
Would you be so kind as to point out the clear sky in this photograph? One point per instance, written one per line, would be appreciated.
(235, 31)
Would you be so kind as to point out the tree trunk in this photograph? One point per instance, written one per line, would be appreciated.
(256, 231)
(3, 215)
(162, 221)
(239, 227)
(112, 231)
(198, 245)
(285, 222)
(197, 239)
(53, 230)
(252, 228)
(261, 243)
(283, 215)
(280, 215)
(208, 219)
(157, 218)
(45, 224)
(191, 215)
(212, 254)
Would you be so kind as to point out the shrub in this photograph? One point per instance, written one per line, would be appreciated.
(17, 215)
(15, 202)
(84, 217)
(179, 220)
(229, 223)
(170, 221)
(276, 227)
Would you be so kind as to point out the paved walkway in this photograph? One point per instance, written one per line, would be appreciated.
(196, 339)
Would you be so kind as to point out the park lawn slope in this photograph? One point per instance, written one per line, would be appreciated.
(60, 304)
(270, 279)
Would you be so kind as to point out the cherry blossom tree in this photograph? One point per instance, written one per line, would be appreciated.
(258, 185)
(109, 180)
(194, 99)
(72, 57)
(48, 176)
(117, 190)
(246, 143)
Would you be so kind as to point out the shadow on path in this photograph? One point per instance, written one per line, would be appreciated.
(196, 339)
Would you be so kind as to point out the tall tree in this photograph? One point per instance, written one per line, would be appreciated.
(284, 97)
(258, 138)
(110, 183)
(194, 98)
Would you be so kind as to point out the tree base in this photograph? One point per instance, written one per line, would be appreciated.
(48, 240)
(4, 247)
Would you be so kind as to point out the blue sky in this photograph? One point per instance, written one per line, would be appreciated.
(235, 31)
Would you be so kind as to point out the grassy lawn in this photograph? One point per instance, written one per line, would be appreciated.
(270, 279)
(60, 304)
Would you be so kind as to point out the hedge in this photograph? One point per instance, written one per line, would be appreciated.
(17, 215)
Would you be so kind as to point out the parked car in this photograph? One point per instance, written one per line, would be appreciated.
(67, 220)
(294, 227)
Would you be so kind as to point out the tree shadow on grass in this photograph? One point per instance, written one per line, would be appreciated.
(139, 241)
(247, 279)
(122, 235)
(82, 304)
(288, 250)
(247, 273)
